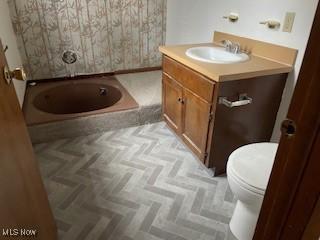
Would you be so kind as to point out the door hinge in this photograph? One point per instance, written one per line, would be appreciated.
(210, 117)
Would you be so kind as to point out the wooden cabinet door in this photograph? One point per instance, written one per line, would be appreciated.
(195, 125)
(172, 103)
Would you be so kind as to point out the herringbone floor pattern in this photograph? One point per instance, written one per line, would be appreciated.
(137, 183)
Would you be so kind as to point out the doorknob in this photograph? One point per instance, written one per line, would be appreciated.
(17, 73)
(288, 128)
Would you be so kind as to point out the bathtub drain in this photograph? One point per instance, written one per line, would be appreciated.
(103, 91)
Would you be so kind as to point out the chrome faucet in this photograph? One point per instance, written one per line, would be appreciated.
(236, 48)
(227, 44)
(231, 47)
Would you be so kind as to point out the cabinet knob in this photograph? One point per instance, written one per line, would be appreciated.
(181, 100)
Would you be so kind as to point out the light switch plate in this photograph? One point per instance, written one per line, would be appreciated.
(288, 21)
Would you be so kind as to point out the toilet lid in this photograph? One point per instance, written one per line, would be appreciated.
(253, 163)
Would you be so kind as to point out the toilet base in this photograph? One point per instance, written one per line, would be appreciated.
(244, 220)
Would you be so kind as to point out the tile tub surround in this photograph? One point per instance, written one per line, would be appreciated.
(136, 183)
(107, 35)
(149, 111)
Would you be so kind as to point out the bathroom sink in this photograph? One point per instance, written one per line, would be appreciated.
(215, 55)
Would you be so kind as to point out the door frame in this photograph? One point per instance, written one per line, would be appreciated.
(293, 190)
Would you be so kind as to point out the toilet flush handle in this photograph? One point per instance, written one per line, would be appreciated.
(243, 100)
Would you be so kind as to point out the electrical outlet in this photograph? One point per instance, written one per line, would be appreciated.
(288, 22)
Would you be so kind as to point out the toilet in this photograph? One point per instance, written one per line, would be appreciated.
(248, 172)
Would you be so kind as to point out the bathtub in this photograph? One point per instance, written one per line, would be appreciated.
(68, 99)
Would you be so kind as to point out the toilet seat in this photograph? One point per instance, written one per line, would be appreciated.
(250, 166)
(245, 185)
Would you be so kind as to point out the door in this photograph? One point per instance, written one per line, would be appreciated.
(291, 199)
(172, 103)
(312, 230)
(24, 206)
(195, 124)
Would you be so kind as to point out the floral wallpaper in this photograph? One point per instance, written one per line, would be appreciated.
(107, 35)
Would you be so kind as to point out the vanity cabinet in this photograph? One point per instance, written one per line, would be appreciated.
(194, 109)
(187, 103)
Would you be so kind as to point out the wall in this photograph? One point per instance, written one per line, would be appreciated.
(8, 38)
(107, 35)
(190, 21)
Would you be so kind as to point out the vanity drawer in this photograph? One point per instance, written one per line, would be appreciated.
(195, 82)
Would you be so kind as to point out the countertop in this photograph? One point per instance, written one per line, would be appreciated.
(256, 66)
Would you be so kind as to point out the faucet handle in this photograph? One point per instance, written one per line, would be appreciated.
(236, 48)
(227, 44)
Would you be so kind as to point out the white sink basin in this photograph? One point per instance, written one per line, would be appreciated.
(215, 55)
